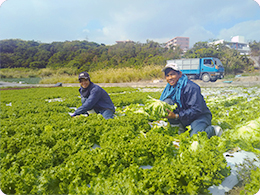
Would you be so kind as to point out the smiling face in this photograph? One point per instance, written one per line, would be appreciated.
(84, 83)
(172, 77)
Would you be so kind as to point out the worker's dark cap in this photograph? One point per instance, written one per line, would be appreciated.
(83, 75)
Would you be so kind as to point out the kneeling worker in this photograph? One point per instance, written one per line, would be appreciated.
(191, 106)
(93, 97)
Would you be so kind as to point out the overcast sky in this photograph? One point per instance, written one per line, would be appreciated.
(107, 21)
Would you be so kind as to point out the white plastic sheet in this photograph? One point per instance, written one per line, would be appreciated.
(234, 159)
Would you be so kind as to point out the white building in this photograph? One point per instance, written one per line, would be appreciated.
(126, 41)
(237, 42)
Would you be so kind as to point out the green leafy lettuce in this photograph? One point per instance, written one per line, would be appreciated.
(157, 109)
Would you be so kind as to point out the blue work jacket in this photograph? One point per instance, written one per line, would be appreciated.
(193, 104)
(97, 99)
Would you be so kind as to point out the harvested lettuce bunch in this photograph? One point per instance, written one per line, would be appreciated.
(157, 108)
(250, 133)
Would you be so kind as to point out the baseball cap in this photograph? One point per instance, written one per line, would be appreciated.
(172, 66)
(83, 75)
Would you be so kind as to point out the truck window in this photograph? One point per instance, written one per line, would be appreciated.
(208, 62)
(218, 63)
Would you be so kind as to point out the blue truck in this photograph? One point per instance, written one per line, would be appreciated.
(206, 69)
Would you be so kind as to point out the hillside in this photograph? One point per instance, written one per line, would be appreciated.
(90, 56)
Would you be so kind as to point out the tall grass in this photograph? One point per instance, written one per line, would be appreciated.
(111, 75)
(32, 73)
(126, 74)
(18, 73)
(69, 75)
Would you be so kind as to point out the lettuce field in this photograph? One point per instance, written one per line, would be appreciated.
(45, 151)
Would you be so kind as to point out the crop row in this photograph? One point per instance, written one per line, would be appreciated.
(45, 151)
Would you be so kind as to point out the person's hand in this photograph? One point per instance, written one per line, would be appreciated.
(171, 115)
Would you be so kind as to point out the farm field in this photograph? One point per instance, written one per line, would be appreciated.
(45, 151)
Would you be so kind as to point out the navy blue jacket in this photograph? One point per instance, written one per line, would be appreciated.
(97, 99)
(193, 104)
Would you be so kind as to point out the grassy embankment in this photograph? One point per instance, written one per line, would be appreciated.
(69, 75)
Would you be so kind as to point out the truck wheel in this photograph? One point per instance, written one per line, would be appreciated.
(205, 77)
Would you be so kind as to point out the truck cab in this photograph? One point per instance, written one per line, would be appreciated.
(211, 69)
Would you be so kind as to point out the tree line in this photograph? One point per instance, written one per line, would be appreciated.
(90, 56)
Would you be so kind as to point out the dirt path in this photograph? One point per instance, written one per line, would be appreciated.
(239, 81)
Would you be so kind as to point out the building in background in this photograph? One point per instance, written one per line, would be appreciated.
(237, 42)
(183, 42)
(126, 41)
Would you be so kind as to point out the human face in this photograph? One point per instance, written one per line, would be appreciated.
(84, 83)
(172, 77)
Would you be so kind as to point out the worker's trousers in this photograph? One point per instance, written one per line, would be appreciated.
(202, 123)
(106, 113)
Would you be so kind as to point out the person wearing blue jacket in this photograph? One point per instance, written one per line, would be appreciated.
(191, 106)
(93, 97)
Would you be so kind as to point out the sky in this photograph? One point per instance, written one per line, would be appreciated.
(108, 21)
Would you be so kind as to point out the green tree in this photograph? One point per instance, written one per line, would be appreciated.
(91, 56)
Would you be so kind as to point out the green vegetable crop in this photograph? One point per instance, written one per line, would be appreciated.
(157, 108)
(45, 151)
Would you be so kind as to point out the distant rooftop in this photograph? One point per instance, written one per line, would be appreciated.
(237, 42)
(126, 41)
